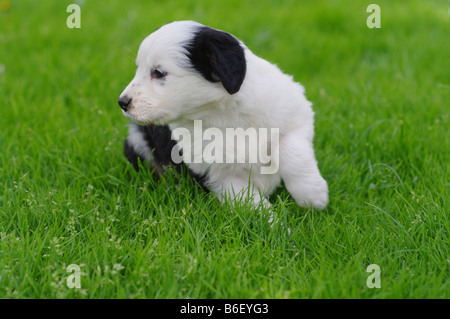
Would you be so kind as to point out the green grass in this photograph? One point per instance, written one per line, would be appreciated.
(68, 196)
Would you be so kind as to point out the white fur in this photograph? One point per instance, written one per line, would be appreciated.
(138, 142)
(267, 98)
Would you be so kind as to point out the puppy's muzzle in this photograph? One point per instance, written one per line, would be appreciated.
(125, 102)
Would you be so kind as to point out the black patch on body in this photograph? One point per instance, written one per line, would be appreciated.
(159, 140)
(218, 57)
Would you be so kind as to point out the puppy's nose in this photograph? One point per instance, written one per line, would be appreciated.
(124, 102)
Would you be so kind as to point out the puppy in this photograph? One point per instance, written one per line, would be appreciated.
(196, 80)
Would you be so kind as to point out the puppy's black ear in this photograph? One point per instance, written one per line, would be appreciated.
(218, 56)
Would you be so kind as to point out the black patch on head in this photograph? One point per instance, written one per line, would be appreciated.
(218, 57)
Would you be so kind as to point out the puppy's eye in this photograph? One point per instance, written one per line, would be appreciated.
(158, 74)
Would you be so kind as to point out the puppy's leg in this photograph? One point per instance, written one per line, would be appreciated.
(131, 155)
(234, 189)
(136, 146)
(299, 171)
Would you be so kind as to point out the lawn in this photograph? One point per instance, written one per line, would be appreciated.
(68, 195)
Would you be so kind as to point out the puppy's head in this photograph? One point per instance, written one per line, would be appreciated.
(182, 67)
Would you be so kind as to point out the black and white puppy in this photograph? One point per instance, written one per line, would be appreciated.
(190, 75)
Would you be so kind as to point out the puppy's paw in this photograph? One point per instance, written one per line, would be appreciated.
(312, 193)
